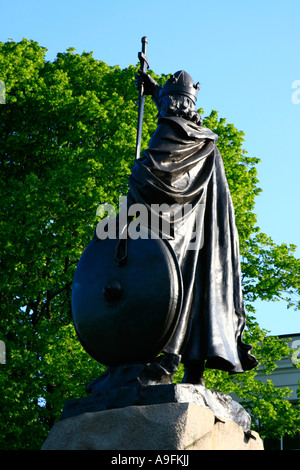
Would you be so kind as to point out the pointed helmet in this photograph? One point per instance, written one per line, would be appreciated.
(181, 83)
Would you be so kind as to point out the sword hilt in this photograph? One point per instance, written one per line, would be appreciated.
(143, 60)
(142, 55)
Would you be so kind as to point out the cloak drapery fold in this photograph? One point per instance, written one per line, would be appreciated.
(183, 167)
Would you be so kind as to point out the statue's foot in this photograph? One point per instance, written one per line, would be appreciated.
(161, 371)
(193, 380)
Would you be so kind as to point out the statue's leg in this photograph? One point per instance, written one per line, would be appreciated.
(193, 372)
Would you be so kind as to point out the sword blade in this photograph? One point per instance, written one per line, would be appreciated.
(144, 66)
(140, 125)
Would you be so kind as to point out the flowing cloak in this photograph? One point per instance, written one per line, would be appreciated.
(183, 167)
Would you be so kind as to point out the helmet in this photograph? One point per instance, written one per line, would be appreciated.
(181, 83)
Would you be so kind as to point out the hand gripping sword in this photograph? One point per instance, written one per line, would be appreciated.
(144, 66)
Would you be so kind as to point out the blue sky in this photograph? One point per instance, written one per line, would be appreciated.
(245, 54)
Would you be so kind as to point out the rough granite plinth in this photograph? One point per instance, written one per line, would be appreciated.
(222, 405)
(167, 426)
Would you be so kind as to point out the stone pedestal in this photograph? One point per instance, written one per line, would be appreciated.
(138, 394)
(166, 426)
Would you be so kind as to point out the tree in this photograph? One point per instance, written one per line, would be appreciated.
(67, 134)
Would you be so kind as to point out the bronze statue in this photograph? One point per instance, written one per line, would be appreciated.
(183, 165)
(178, 293)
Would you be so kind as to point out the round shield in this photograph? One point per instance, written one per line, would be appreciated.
(126, 312)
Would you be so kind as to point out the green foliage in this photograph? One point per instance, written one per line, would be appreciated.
(67, 134)
(270, 271)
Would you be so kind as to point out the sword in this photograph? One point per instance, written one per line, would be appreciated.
(144, 66)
